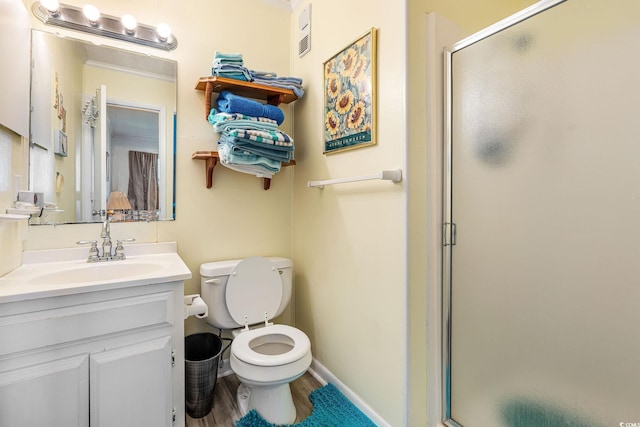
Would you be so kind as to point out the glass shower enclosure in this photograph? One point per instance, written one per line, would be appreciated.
(542, 210)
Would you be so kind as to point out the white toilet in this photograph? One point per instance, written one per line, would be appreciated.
(244, 295)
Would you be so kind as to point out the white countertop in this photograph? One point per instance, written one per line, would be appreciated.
(159, 263)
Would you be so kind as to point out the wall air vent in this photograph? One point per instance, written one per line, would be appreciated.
(304, 23)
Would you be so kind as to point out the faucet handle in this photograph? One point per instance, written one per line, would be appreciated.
(93, 250)
(120, 249)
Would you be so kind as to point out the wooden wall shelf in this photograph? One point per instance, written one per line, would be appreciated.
(273, 95)
(211, 159)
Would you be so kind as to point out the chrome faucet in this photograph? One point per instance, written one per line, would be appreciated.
(106, 238)
(107, 245)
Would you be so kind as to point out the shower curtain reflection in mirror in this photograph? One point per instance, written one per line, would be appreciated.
(143, 183)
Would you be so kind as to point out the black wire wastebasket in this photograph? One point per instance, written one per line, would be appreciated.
(202, 356)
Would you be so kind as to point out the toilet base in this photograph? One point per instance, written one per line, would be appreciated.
(273, 403)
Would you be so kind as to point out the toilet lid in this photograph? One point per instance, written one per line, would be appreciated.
(253, 289)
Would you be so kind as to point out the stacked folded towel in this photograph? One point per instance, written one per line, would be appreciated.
(230, 65)
(250, 140)
(272, 79)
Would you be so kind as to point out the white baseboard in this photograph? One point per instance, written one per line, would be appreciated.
(322, 374)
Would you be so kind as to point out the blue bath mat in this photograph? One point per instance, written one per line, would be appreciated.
(330, 409)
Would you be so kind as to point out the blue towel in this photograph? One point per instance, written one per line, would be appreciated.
(267, 75)
(230, 103)
(272, 137)
(298, 91)
(259, 164)
(229, 75)
(218, 62)
(227, 122)
(247, 147)
(279, 156)
(262, 144)
(231, 71)
(242, 145)
(228, 56)
(271, 79)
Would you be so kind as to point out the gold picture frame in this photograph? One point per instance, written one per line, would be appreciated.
(350, 96)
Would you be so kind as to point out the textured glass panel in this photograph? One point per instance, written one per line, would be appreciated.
(546, 198)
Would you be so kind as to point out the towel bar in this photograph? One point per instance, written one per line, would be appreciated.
(390, 175)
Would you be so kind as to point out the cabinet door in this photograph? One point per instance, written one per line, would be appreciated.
(131, 386)
(48, 394)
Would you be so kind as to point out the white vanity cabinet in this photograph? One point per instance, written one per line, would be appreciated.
(108, 358)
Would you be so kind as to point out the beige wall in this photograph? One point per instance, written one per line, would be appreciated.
(349, 240)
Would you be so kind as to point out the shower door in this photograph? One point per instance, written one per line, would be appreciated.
(542, 255)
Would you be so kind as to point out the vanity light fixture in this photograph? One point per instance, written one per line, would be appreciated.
(90, 20)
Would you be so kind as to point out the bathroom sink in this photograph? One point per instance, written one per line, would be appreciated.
(57, 272)
(95, 272)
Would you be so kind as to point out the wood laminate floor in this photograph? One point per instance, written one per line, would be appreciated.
(225, 410)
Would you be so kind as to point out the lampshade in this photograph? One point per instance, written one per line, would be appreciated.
(118, 201)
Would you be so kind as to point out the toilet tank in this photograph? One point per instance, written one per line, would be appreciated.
(213, 286)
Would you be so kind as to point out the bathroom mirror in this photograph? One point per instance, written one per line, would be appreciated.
(102, 124)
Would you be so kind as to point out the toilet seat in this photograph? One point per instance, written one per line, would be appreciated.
(241, 346)
(254, 291)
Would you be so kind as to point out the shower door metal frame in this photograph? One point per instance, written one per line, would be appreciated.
(449, 226)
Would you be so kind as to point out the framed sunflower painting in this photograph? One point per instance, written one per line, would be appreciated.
(350, 96)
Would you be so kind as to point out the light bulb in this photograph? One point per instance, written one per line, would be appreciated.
(92, 13)
(164, 31)
(51, 5)
(129, 23)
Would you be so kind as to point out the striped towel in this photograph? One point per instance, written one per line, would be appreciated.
(270, 137)
(246, 146)
(231, 71)
(228, 121)
(229, 157)
(243, 124)
(272, 79)
(215, 117)
(267, 143)
(281, 156)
